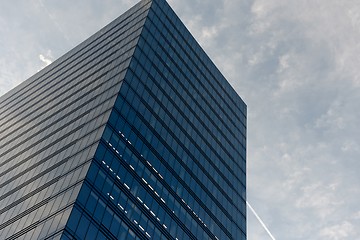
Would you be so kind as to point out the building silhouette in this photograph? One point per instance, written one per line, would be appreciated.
(133, 134)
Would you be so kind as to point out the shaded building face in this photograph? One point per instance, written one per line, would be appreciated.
(133, 134)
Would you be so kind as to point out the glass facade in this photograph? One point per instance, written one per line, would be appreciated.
(133, 134)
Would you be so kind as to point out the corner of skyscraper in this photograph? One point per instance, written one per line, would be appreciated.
(133, 134)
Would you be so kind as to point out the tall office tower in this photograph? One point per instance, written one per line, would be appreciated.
(133, 134)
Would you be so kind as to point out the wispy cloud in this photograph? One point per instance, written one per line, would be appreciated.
(321, 198)
(338, 231)
(45, 60)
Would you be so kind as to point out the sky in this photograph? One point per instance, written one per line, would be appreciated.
(295, 64)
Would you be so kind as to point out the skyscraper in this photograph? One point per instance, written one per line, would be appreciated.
(133, 134)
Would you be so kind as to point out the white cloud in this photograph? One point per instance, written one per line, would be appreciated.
(356, 216)
(209, 33)
(320, 198)
(295, 178)
(350, 146)
(332, 118)
(339, 231)
(45, 60)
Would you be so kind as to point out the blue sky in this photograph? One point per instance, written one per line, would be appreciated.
(295, 63)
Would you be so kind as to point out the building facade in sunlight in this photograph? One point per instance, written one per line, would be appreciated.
(133, 134)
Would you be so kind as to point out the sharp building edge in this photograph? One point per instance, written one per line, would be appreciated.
(133, 134)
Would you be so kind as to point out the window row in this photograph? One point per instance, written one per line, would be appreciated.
(168, 95)
(169, 173)
(47, 211)
(38, 191)
(77, 54)
(173, 54)
(155, 182)
(162, 121)
(34, 152)
(124, 192)
(165, 17)
(89, 74)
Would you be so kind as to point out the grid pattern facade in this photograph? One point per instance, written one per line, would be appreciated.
(50, 128)
(134, 134)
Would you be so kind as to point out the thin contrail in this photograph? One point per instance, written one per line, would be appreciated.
(53, 19)
(259, 219)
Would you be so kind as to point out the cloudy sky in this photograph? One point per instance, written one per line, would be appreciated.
(294, 62)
